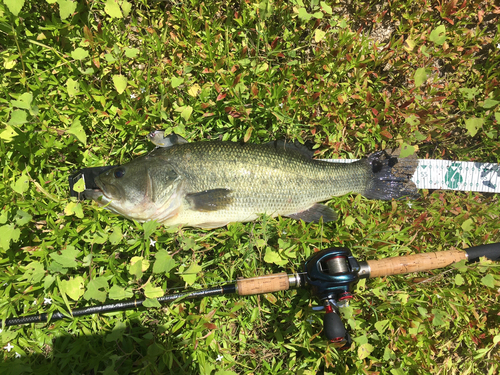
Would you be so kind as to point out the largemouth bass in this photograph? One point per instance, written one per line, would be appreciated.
(210, 184)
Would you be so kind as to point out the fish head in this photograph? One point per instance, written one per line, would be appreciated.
(140, 190)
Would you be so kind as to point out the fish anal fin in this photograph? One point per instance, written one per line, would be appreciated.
(210, 200)
(315, 213)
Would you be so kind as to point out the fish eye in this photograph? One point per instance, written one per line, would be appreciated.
(119, 173)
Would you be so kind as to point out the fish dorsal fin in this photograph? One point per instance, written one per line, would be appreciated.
(159, 139)
(294, 146)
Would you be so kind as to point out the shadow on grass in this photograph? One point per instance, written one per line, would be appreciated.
(124, 350)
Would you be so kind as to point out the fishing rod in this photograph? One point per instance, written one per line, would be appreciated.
(330, 274)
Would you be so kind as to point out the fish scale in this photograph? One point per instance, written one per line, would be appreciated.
(210, 184)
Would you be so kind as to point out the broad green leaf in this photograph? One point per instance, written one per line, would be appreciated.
(66, 8)
(194, 90)
(112, 9)
(419, 136)
(319, 35)
(438, 35)
(398, 371)
(24, 101)
(116, 236)
(74, 208)
(364, 350)
(149, 228)
(381, 325)
(22, 184)
(22, 217)
(120, 83)
(10, 61)
(79, 54)
(489, 103)
(116, 334)
(67, 257)
(48, 281)
(14, 6)
(73, 287)
(406, 150)
(439, 318)
(79, 186)
(189, 276)
(76, 129)
(420, 77)
(94, 289)
(469, 93)
(151, 291)
(473, 124)
(4, 215)
(488, 281)
(164, 262)
(138, 265)
(109, 58)
(131, 52)
(8, 134)
(468, 225)
(118, 293)
(303, 15)
(176, 82)
(459, 280)
(409, 44)
(326, 8)
(8, 233)
(151, 302)
(349, 220)
(18, 117)
(412, 120)
(186, 113)
(37, 272)
(73, 87)
(274, 257)
(126, 7)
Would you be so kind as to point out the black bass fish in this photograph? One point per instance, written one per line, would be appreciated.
(210, 184)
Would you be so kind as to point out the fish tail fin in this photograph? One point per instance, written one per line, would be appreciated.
(391, 176)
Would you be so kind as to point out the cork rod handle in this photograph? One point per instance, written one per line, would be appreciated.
(415, 263)
(263, 284)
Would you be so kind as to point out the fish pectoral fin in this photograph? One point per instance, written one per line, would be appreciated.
(315, 213)
(210, 200)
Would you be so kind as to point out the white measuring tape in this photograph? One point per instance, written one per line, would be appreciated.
(452, 175)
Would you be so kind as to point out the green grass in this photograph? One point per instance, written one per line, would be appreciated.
(84, 82)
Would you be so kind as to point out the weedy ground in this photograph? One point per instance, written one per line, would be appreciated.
(83, 83)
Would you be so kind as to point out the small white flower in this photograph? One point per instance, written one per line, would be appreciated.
(219, 358)
(409, 204)
(133, 96)
(143, 89)
(34, 302)
(1, 330)
(281, 105)
(8, 347)
(498, 45)
(152, 242)
(5, 284)
(18, 355)
(47, 301)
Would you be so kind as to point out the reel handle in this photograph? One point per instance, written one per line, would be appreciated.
(334, 328)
